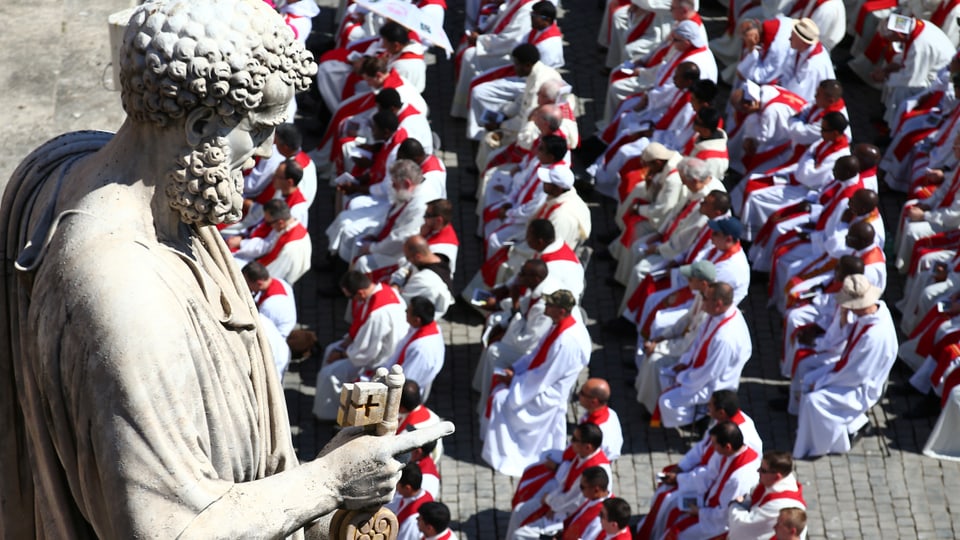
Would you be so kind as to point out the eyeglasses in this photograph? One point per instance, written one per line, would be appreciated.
(576, 439)
(428, 216)
(761, 470)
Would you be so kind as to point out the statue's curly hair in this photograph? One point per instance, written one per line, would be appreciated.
(185, 54)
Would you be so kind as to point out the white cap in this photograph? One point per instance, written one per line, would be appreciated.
(558, 175)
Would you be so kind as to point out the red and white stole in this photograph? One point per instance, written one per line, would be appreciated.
(856, 333)
(274, 289)
(417, 416)
(392, 217)
(700, 358)
(297, 232)
(536, 37)
(541, 357)
(426, 330)
(729, 466)
(563, 253)
(361, 310)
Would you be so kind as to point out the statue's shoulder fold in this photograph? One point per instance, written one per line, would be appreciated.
(23, 217)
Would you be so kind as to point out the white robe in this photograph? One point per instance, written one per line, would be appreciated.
(712, 520)
(422, 360)
(943, 443)
(726, 354)
(375, 341)
(529, 416)
(749, 522)
(562, 502)
(806, 70)
(525, 329)
(293, 260)
(281, 309)
(837, 398)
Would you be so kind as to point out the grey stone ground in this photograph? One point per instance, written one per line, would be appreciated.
(55, 58)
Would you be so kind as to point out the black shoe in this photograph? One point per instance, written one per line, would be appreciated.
(779, 404)
(928, 408)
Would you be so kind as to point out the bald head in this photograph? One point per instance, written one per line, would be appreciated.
(417, 244)
(860, 235)
(846, 168)
(849, 265)
(598, 389)
(863, 202)
(868, 154)
(535, 268)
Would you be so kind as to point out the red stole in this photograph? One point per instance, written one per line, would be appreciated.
(855, 334)
(825, 149)
(417, 416)
(641, 27)
(274, 289)
(702, 239)
(737, 419)
(576, 522)
(541, 357)
(701, 357)
(598, 458)
(362, 310)
(687, 209)
(939, 16)
(428, 466)
(760, 497)
(378, 170)
(678, 104)
(716, 256)
(426, 330)
(446, 235)
(536, 37)
(508, 16)
(409, 509)
(563, 253)
(573, 474)
(391, 221)
(431, 164)
(598, 416)
(297, 232)
(838, 194)
(356, 105)
(914, 34)
(732, 465)
(682, 57)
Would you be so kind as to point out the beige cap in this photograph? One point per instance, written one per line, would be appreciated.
(656, 151)
(806, 30)
(858, 292)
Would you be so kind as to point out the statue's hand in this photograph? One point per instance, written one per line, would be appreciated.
(364, 466)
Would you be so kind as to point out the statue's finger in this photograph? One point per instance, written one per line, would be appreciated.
(409, 440)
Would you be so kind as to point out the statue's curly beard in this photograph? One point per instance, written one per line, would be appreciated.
(203, 188)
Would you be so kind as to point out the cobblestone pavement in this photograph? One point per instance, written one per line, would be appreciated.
(883, 488)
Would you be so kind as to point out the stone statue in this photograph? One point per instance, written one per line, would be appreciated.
(139, 398)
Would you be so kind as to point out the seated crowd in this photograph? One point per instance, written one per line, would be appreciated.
(708, 196)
